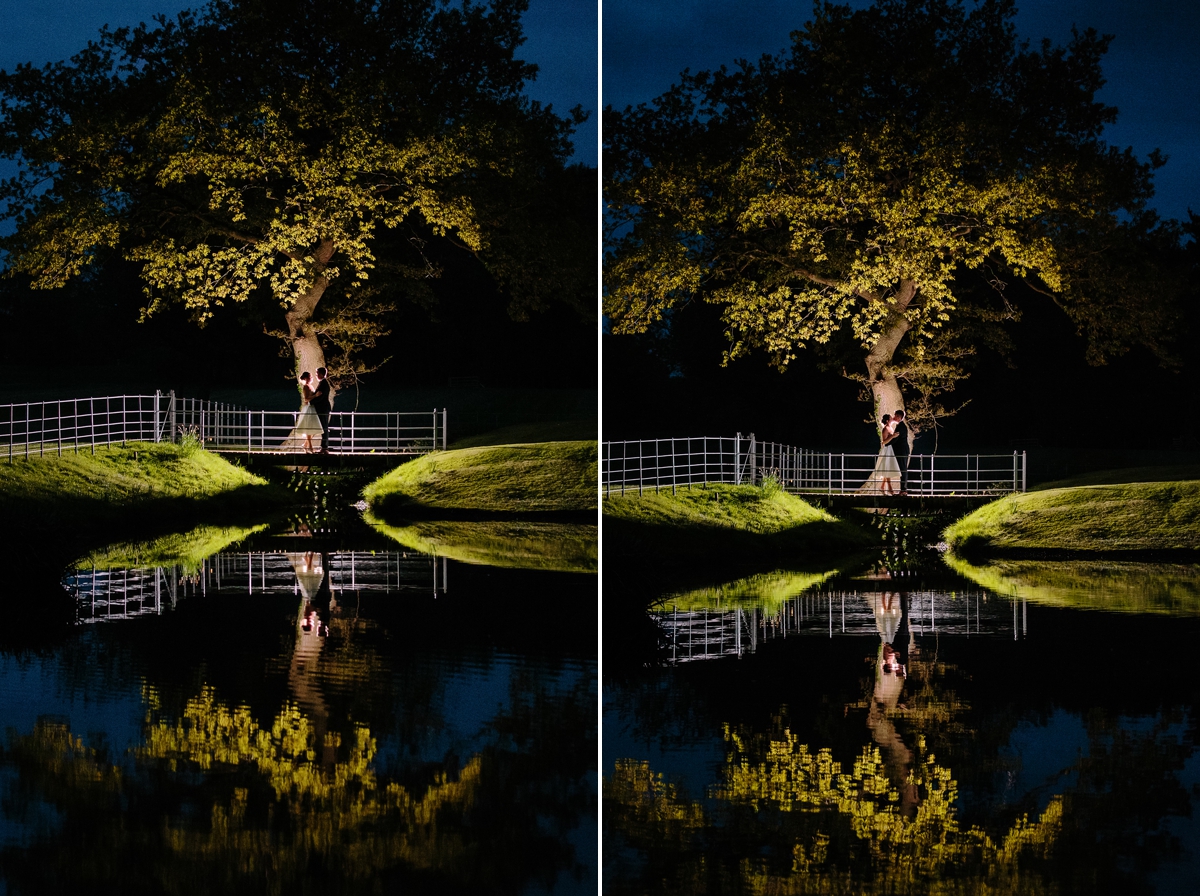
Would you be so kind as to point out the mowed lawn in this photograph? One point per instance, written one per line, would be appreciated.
(536, 477)
(728, 519)
(1089, 515)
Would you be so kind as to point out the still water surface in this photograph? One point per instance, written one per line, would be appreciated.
(1021, 728)
(277, 720)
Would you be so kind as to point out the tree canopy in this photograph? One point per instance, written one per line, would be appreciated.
(256, 146)
(884, 180)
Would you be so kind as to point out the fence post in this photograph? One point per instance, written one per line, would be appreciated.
(1024, 470)
(737, 460)
(752, 460)
(171, 414)
(445, 427)
(158, 426)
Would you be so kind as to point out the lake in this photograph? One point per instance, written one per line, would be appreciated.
(907, 726)
(302, 712)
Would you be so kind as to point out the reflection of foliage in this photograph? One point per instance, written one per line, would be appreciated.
(214, 802)
(830, 830)
(211, 733)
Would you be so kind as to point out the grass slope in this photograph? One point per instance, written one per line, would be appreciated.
(1130, 516)
(511, 479)
(54, 509)
(729, 518)
(117, 477)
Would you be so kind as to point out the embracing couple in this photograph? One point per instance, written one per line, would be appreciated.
(891, 465)
(313, 422)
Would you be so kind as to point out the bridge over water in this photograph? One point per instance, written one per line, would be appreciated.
(124, 593)
(634, 466)
(75, 424)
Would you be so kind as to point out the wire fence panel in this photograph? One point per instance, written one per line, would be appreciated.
(657, 462)
(38, 428)
(120, 593)
(674, 462)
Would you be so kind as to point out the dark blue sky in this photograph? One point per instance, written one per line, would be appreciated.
(561, 40)
(1152, 67)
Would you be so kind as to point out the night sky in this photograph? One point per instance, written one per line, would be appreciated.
(561, 39)
(1153, 65)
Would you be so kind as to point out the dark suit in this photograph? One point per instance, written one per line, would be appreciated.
(323, 406)
(900, 449)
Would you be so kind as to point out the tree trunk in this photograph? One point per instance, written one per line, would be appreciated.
(884, 388)
(307, 349)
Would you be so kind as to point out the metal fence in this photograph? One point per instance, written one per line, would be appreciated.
(703, 634)
(42, 427)
(109, 594)
(662, 463)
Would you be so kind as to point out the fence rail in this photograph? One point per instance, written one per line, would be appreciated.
(674, 462)
(108, 594)
(41, 427)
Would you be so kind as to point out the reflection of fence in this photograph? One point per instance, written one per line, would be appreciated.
(670, 463)
(701, 634)
(43, 427)
(104, 594)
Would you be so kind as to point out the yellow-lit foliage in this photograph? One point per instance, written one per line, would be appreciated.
(646, 803)
(883, 180)
(851, 834)
(341, 816)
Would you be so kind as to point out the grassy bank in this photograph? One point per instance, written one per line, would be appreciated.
(54, 509)
(1105, 517)
(723, 520)
(543, 477)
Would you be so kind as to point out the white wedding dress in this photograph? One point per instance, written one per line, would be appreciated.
(886, 467)
(308, 429)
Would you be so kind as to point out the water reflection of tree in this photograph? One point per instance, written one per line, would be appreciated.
(214, 802)
(781, 817)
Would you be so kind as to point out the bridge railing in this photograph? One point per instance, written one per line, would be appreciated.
(674, 462)
(41, 427)
(122, 593)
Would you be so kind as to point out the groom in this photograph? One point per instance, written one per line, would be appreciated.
(899, 447)
(322, 403)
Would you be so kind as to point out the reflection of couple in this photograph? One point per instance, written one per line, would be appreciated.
(891, 465)
(304, 680)
(312, 578)
(891, 620)
(312, 433)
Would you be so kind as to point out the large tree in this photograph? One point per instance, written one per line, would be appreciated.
(883, 181)
(331, 154)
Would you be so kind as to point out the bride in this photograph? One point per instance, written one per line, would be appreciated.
(308, 424)
(887, 470)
